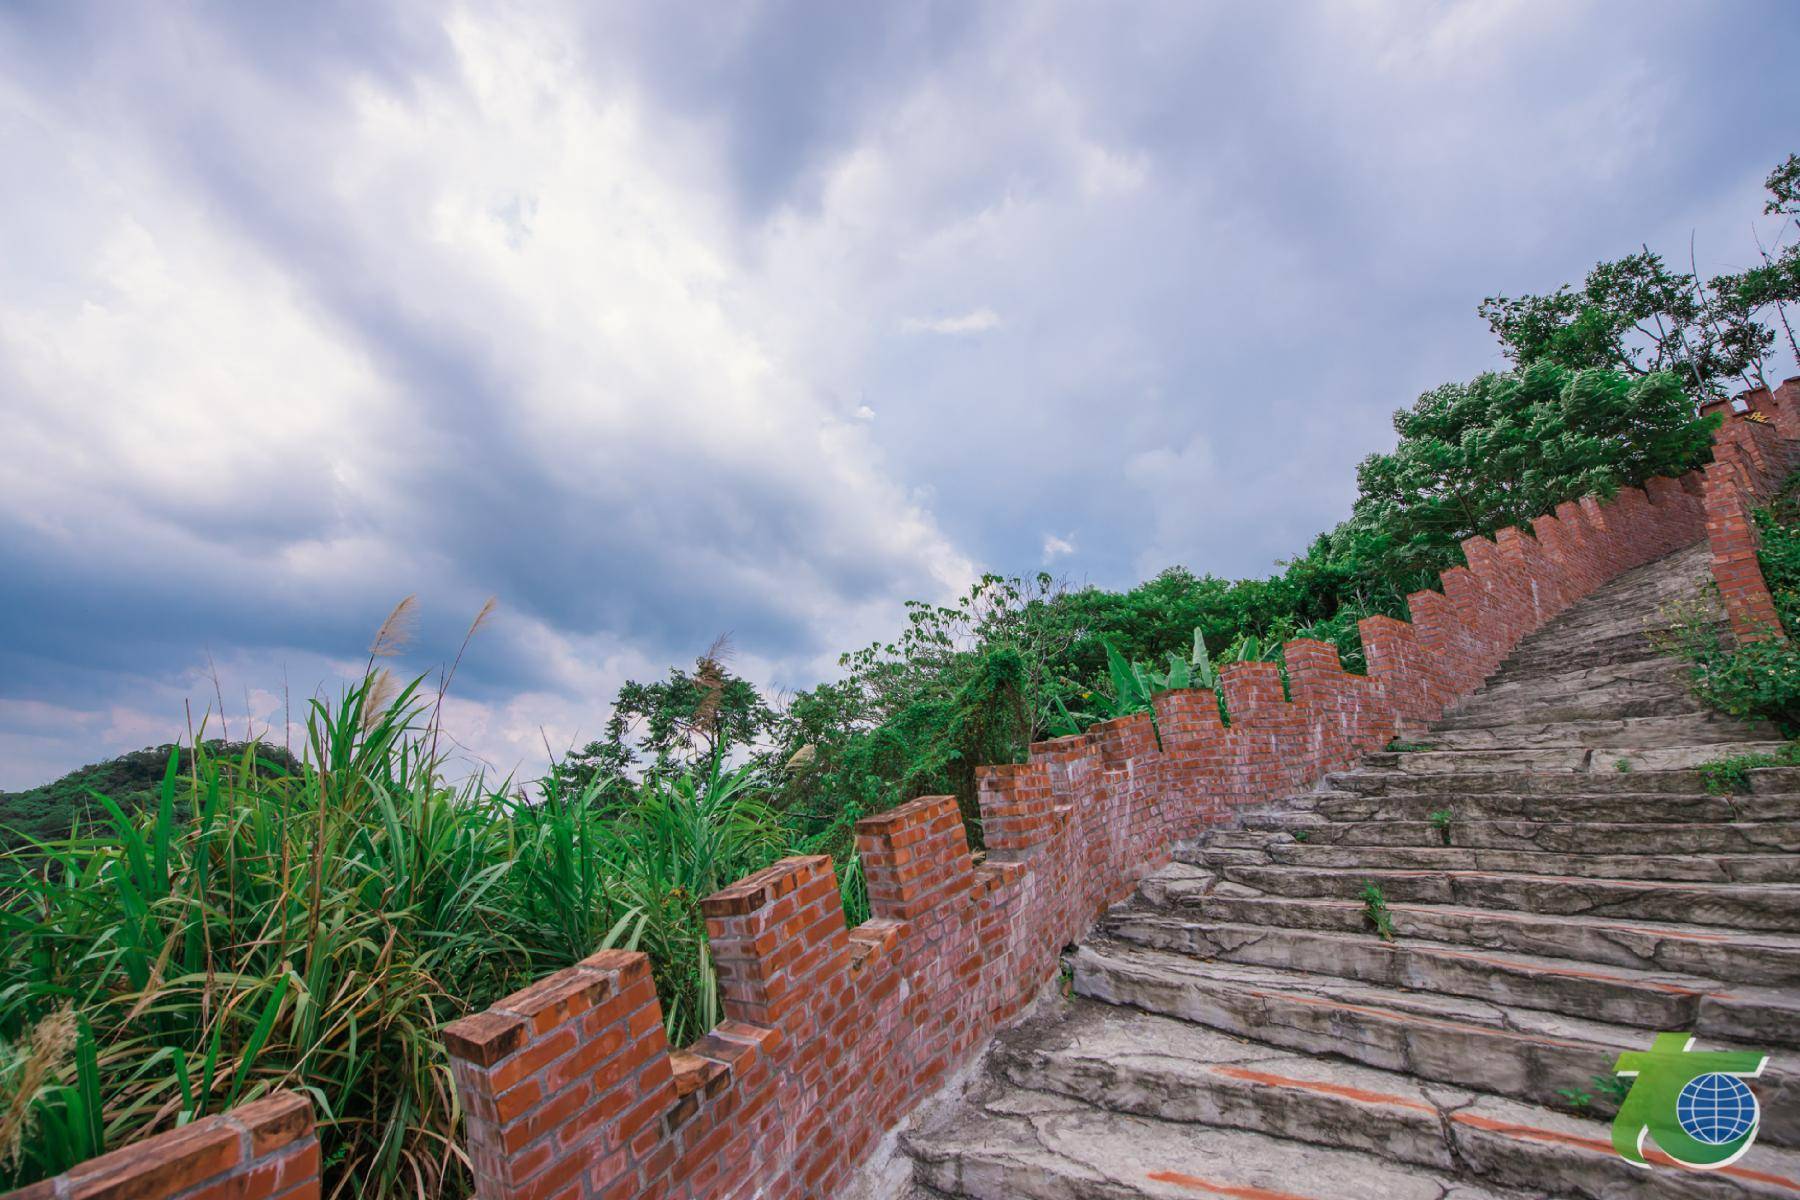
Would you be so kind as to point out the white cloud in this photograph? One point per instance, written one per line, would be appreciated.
(1056, 547)
(978, 320)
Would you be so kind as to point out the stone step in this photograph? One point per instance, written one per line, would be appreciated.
(1652, 1000)
(1767, 906)
(1689, 868)
(1606, 760)
(1696, 730)
(1026, 1145)
(1732, 956)
(1556, 837)
(1494, 779)
(1615, 807)
(1171, 1070)
(1526, 1054)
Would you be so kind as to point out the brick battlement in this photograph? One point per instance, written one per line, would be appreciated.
(831, 1035)
(264, 1150)
(1750, 459)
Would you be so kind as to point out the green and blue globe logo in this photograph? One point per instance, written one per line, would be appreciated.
(1717, 1109)
(1695, 1106)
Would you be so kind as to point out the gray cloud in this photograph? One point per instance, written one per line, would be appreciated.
(588, 309)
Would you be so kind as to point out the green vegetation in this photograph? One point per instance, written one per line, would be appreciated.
(1441, 820)
(131, 781)
(1731, 774)
(1375, 911)
(1757, 680)
(1637, 316)
(191, 927)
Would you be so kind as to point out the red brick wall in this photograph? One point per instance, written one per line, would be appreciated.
(1750, 460)
(257, 1151)
(833, 1034)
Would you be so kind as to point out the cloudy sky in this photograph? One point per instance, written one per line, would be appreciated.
(661, 320)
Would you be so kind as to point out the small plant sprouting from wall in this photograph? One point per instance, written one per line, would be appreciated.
(1375, 912)
(1441, 821)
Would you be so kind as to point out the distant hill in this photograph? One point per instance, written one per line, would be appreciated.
(131, 781)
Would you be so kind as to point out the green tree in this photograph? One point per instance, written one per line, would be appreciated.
(1504, 449)
(1637, 316)
(691, 717)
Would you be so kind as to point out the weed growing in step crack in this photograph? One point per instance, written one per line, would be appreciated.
(1723, 776)
(1623, 766)
(1440, 821)
(1576, 1097)
(1375, 912)
(1614, 1086)
(1402, 746)
(1300, 835)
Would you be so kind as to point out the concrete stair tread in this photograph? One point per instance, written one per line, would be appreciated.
(1724, 868)
(1765, 958)
(1688, 806)
(1691, 730)
(1526, 1054)
(1645, 998)
(1355, 994)
(1489, 833)
(1771, 906)
(1601, 759)
(1160, 1067)
(1017, 1144)
(1610, 784)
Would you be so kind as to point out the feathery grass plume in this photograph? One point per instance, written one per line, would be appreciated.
(709, 677)
(45, 1053)
(444, 681)
(381, 693)
(397, 631)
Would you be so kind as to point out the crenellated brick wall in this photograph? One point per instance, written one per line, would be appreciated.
(264, 1150)
(831, 1034)
(1750, 460)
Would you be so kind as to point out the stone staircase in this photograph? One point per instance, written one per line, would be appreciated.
(1239, 1028)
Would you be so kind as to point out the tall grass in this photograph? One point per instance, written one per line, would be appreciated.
(312, 928)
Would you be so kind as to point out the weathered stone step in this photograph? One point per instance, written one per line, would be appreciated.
(1697, 730)
(1173, 1070)
(1622, 996)
(1026, 1145)
(1526, 1054)
(1581, 648)
(1609, 760)
(1770, 906)
(1734, 956)
(1616, 807)
(1689, 868)
(1556, 837)
(1442, 776)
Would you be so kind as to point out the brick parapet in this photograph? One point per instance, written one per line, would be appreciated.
(264, 1150)
(1751, 458)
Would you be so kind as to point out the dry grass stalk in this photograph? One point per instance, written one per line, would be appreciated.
(46, 1052)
